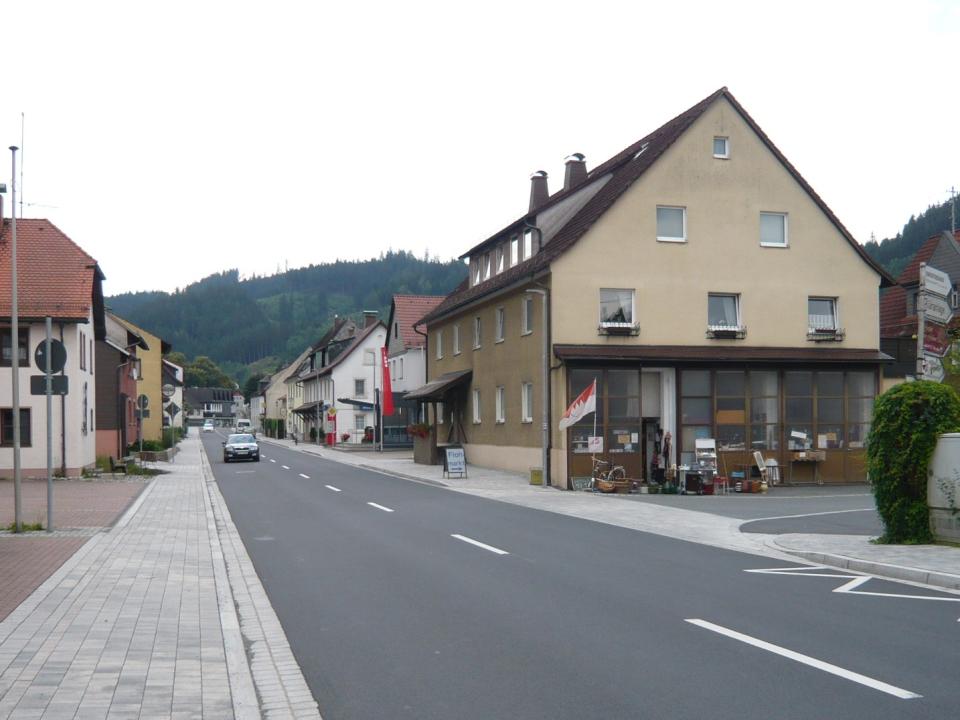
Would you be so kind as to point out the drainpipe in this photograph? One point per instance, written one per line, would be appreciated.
(545, 380)
(63, 420)
(426, 356)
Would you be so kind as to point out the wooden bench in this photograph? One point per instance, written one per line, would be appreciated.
(121, 465)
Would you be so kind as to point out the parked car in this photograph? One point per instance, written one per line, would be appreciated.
(241, 446)
(208, 426)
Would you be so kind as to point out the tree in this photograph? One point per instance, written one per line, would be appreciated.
(250, 387)
(204, 372)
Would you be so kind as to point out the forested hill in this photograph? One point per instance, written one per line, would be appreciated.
(894, 253)
(270, 320)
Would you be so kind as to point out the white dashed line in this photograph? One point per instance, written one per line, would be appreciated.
(379, 507)
(807, 660)
(479, 544)
(272, 460)
(331, 487)
(305, 477)
(285, 467)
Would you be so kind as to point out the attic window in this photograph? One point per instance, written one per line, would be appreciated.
(721, 147)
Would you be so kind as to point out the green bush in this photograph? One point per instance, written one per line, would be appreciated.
(906, 422)
(148, 446)
(171, 436)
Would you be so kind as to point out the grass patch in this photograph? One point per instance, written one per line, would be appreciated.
(25, 527)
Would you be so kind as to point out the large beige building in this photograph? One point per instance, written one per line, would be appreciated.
(701, 282)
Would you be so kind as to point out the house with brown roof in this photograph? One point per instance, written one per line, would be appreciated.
(898, 304)
(56, 279)
(704, 286)
(118, 367)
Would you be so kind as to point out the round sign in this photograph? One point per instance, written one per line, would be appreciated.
(58, 356)
(168, 390)
(143, 402)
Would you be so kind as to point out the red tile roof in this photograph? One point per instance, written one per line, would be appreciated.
(55, 276)
(407, 310)
(894, 321)
(625, 168)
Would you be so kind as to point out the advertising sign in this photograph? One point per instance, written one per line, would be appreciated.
(935, 340)
(933, 368)
(936, 281)
(595, 444)
(936, 309)
(456, 461)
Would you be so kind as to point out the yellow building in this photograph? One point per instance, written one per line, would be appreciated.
(151, 381)
(704, 286)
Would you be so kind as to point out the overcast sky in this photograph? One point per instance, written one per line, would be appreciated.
(173, 140)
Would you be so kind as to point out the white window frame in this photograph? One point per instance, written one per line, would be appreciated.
(439, 337)
(526, 316)
(360, 421)
(786, 230)
(500, 324)
(514, 251)
(475, 404)
(477, 331)
(456, 339)
(526, 402)
(500, 259)
(528, 249)
(486, 266)
(667, 238)
(833, 304)
(633, 308)
(369, 357)
(476, 271)
(501, 396)
(726, 147)
(360, 387)
(736, 299)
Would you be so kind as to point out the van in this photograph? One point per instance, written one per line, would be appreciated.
(243, 426)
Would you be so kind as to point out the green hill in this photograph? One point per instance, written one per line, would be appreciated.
(894, 253)
(268, 321)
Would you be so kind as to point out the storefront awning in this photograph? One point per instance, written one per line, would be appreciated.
(719, 354)
(309, 408)
(437, 388)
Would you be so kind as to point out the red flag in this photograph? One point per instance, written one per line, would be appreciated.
(585, 404)
(387, 391)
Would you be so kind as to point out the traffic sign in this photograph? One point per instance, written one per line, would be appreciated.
(936, 281)
(933, 368)
(168, 391)
(173, 409)
(58, 356)
(936, 308)
(935, 340)
(38, 384)
(143, 402)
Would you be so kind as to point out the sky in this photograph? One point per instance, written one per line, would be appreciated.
(175, 140)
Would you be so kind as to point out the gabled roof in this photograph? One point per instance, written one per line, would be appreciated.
(406, 311)
(624, 169)
(356, 342)
(55, 277)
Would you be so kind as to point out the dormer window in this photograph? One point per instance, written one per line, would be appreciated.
(721, 147)
(486, 266)
(476, 272)
(500, 259)
(527, 244)
(514, 251)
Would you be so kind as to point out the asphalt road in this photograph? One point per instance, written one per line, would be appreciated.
(403, 599)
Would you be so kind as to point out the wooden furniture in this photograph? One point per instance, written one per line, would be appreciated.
(808, 456)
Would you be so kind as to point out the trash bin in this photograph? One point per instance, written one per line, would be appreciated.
(536, 476)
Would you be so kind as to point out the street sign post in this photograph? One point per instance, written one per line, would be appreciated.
(936, 309)
(936, 281)
(58, 356)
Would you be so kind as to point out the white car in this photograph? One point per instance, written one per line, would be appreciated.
(208, 426)
(243, 426)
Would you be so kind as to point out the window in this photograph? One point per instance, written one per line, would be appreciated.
(396, 330)
(527, 244)
(526, 402)
(476, 405)
(439, 344)
(671, 224)
(6, 427)
(90, 363)
(83, 352)
(500, 325)
(500, 259)
(476, 332)
(360, 388)
(616, 308)
(721, 147)
(400, 369)
(526, 313)
(369, 357)
(773, 229)
(500, 402)
(456, 339)
(822, 316)
(476, 271)
(723, 314)
(439, 407)
(486, 266)
(360, 422)
(514, 251)
(23, 342)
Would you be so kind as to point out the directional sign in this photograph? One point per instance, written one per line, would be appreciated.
(38, 384)
(936, 281)
(935, 340)
(933, 368)
(58, 356)
(936, 309)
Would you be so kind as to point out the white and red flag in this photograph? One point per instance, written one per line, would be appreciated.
(585, 404)
(387, 390)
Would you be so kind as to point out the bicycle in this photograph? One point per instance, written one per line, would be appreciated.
(612, 474)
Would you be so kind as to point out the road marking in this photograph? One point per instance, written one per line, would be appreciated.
(379, 507)
(807, 660)
(305, 477)
(848, 588)
(479, 544)
(246, 472)
(827, 512)
(285, 467)
(335, 489)
(272, 460)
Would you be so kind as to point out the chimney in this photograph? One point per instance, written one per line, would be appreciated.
(538, 189)
(369, 318)
(576, 171)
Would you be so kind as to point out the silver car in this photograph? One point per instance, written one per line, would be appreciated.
(242, 446)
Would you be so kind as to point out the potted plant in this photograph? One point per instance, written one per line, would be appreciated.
(420, 430)
(345, 437)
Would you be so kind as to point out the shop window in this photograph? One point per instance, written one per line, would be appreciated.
(773, 229)
(671, 224)
(456, 339)
(616, 309)
(721, 147)
(731, 410)
(526, 402)
(6, 427)
(623, 399)
(798, 410)
(861, 389)
(500, 419)
(500, 325)
(23, 343)
(526, 315)
(580, 432)
(764, 410)
(696, 411)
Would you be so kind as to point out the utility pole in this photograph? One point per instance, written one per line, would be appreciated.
(15, 349)
(953, 210)
(921, 317)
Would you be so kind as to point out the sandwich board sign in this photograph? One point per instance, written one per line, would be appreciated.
(454, 461)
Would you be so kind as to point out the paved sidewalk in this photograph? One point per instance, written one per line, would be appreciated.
(937, 565)
(142, 622)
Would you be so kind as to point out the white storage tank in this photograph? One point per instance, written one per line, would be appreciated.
(943, 488)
